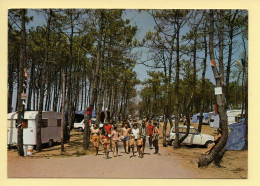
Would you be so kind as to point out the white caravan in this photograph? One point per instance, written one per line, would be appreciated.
(233, 116)
(50, 131)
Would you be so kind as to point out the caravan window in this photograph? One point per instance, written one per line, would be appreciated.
(58, 122)
(44, 123)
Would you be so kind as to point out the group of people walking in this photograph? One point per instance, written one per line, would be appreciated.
(133, 136)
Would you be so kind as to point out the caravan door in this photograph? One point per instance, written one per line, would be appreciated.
(11, 132)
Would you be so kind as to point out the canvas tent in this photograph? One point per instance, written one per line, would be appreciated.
(236, 137)
(79, 115)
(196, 117)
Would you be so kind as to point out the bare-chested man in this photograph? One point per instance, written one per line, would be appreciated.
(125, 133)
(156, 134)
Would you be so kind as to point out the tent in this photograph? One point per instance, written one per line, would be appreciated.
(79, 115)
(196, 117)
(236, 138)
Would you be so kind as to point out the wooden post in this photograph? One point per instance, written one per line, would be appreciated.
(63, 107)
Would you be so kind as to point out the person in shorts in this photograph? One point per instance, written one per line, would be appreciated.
(125, 133)
(156, 134)
(143, 133)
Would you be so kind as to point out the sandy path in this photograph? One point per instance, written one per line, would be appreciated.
(164, 165)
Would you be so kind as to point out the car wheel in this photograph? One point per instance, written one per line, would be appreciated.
(208, 143)
(50, 143)
(80, 129)
(172, 142)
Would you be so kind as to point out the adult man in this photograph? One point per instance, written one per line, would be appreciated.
(143, 133)
(125, 133)
(150, 132)
(156, 134)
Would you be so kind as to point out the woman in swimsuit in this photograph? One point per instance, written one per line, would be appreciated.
(106, 145)
(95, 133)
(216, 140)
(115, 140)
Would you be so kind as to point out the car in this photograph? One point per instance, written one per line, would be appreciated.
(193, 138)
(80, 126)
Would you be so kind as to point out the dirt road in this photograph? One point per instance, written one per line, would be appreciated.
(164, 165)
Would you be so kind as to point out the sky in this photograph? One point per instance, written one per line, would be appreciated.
(144, 22)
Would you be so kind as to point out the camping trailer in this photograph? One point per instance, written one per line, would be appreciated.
(50, 130)
(233, 116)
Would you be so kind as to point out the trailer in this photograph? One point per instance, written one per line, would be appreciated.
(233, 116)
(50, 129)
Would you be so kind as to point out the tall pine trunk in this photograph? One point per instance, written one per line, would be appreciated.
(95, 83)
(203, 82)
(39, 123)
(176, 91)
(217, 152)
(20, 83)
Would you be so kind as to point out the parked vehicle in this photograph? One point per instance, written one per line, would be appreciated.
(50, 130)
(80, 126)
(193, 138)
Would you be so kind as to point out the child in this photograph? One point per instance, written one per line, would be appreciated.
(139, 144)
(132, 144)
(106, 144)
